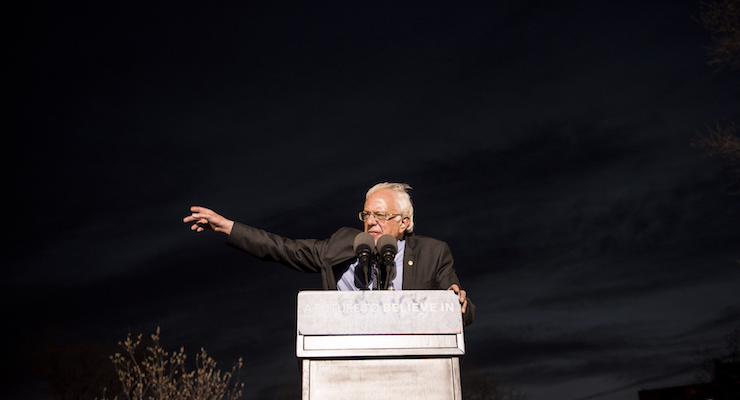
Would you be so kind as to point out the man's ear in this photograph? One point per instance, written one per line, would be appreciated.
(404, 224)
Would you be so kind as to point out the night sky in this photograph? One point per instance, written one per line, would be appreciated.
(549, 143)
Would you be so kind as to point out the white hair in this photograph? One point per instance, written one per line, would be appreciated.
(403, 198)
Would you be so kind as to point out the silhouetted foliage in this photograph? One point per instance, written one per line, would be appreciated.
(708, 360)
(722, 18)
(718, 377)
(85, 370)
(160, 375)
(723, 141)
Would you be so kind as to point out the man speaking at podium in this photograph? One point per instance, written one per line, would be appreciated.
(419, 263)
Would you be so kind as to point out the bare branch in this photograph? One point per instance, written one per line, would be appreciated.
(723, 142)
(160, 375)
(722, 18)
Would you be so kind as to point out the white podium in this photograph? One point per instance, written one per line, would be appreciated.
(380, 344)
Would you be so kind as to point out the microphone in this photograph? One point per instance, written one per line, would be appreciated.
(363, 246)
(387, 247)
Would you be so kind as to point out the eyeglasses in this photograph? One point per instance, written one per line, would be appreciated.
(380, 217)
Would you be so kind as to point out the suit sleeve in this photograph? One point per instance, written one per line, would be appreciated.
(446, 277)
(302, 254)
(469, 315)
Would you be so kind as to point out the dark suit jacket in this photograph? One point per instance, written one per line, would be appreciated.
(428, 262)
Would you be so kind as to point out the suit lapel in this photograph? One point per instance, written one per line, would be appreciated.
(409, 261)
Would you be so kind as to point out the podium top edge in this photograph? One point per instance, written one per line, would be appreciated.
(378, 312)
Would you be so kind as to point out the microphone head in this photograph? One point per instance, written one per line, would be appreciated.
(387, 243)
(363, 241)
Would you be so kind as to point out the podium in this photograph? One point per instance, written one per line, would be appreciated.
(368, 345)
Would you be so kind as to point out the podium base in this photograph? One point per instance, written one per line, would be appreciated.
(371, 379)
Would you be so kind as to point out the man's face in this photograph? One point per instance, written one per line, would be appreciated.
(384, 201)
